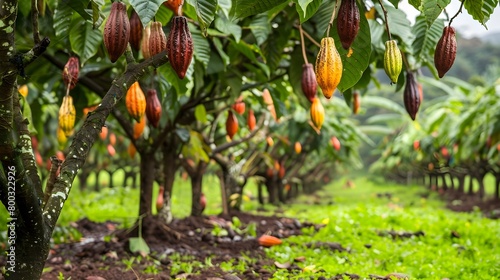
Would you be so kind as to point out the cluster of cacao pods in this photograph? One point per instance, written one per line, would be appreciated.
(446, 51)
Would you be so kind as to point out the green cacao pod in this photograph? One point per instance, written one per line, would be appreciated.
(411, 95)
(308, 83)
(317, 113)
(117, 31)
(393, 60)
(446, 51)
(328, 67)
(348, 22)
(180, 46)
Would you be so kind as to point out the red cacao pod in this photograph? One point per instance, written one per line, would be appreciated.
(309, 83)
(251, 121)
(175, 6)
(231, 125)
(348, 22)
(157, 39)
(180, 46)
(335, 143)
(117, 31)
(239, 106)
(153, 107)
(136, 28)
(71, 71)
(446, 51)
(356, 103)
(411, 95)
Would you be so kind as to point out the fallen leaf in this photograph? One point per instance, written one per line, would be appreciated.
(285, 265)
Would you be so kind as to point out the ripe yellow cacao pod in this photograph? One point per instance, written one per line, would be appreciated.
(67, 115)
(317, 113)
(61, 137)
(135, 100)
(23, 90)
(328, 67)
(393, 61)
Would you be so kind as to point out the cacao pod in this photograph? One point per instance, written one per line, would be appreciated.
(268, 100)
(180, 46)
(145, 42)
(131, 150)
(393, 60)
(70, 72)
(317, 113)
(157, 39)
(135, 31)
(175, 6)
(348, 22)
(356, 103)
(239, 106)
(411, 95)
(268, 240)
(67, 115)
(270, 143)
(416, 145)
(139, 127)
(335, 143)
(61, 137)
(298, 147)
(117, 31)
(308, 83)
(135, 101)
(328, 67)
(111, 150)
(153, 108)
(104, 133)
(251, 121)
(231, 125)
(446, 51)
(112, 138)
(281, 171)
(23, 90)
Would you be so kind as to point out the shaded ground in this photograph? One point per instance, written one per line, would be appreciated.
(104, 251)
(462, 202)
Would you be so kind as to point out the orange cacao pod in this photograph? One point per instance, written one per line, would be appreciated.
(335, 143)
(104, 133)
(251, 121)
(71, 71)
(269, 240)
(317, 113)
(157, 39)
(446, 51)
(139, 127)
(180, 46)
(239, 106)
(135, 101)
(117, 31)
(135, 31)
(153, 108)
(328, 67)
(175, 6)
(111, 150)
(308, 83)
(268, 100)
(131, 150)
(145, 42)
(348, 22)
(411, 95)
(356, 102)
(231, 125)
(67, 115)
(23, 90)
(298, 147)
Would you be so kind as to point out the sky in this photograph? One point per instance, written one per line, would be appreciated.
(463, 23)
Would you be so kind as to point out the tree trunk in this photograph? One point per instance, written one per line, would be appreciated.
(480, 180)
(83, 177)
(196, 187)
(233, 189)
(97, 187)
(271, 191)
(170, 166)
(445, 184)
(497, 186)
(260, 195)
(471, 185)
(452, 180)
(147, 179)
(461, 183)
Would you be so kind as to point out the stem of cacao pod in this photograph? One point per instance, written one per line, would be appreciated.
(458, 12)
(386, 19)
(309, 37)
(302, 44)
(332, 18)
(405, 61)
(34, 19)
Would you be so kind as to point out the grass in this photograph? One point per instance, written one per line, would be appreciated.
(356, 217)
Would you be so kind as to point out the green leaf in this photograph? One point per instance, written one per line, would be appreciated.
(201, 45)
(399, 24)
(200, 113)
(138, 245)
(97, 17)
(205, 10)
(224, 25)
(488, 8)
(322, 17)
(370, 100)
(415, 3)
(433, 8)
(62, 19)
(357, 58)
(79, 6)
(84, 39)
(307, 8)
(146, 9)
(425, 38)
(245, 8)
(273, 47)
(260, 28)
(225, 6)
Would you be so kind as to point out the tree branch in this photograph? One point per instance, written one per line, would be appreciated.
(228, 145)
(89, 133)
(34, 19)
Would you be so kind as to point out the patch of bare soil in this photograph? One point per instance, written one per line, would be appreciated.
(463, 202)
(103, 252)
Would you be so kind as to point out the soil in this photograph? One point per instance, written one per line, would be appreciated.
(463, 202)
(103, 251)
